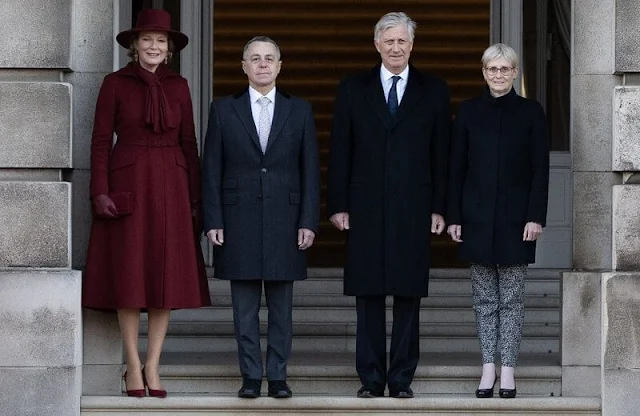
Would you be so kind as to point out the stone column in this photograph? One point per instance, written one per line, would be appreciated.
(600, 302)
(93, 46)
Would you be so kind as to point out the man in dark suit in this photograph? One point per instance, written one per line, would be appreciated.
(386, 187)
(261, 191)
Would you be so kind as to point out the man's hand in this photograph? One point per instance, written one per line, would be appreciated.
(531, 231)
(437, 224)
(340, 220)
(455, 231)
(305, 238)
(216, 237)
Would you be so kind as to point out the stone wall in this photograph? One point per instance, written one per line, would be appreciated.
(55, 53)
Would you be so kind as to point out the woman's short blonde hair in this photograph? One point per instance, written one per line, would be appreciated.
(500, 50)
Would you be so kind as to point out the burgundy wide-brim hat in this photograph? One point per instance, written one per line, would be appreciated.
(153, 20)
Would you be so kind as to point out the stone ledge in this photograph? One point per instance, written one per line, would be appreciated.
(626, 129)
(35, 125)
(626, 223)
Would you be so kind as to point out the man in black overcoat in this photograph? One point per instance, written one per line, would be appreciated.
(386, 189)
(261, 191)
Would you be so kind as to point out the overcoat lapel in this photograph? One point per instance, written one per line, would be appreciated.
(243, 108)
(281, 110)
(412, 94)
(375, 95)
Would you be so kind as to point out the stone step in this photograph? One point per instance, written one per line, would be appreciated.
(427, 329)
(334, 374)
(337, 405)
(311, 344)
(347, 314)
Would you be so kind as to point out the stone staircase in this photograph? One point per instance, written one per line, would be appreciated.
(199, 365)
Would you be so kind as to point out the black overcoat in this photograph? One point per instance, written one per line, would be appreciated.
(499, 177)
(260, 200)
(389, 174)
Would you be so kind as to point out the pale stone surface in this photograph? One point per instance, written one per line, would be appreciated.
(102, 340)
(35, 124)
(35, 34)
(581, 381)
(626, 227)
(32, 175)
(81, 216)
(102, 379)
(85, 94)
(621, 294)
(592, 222)
(626, 129)
(592, 120)
(581, 323)
(40, 319)
(92, 36)
(593, 37)
(34, 225)
(40, 391)
(620, 392)
(627, 42)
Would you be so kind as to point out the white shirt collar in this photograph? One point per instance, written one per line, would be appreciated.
(385, 74)
(254, 95)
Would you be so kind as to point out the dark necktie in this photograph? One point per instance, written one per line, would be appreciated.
(392, 102)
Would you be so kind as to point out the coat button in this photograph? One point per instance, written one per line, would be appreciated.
(263, 170)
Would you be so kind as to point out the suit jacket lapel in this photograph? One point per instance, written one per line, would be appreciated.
(375, 95)
(281, 109)
(412, 94)
(243, 108)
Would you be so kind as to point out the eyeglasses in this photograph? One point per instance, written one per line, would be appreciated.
(504, 70)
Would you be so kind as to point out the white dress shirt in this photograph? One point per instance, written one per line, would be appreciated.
(254, 96)
(387, 82)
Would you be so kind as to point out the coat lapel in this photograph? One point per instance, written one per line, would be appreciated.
(282, 108)
(375, 95)
(412, 94)
(243, 108)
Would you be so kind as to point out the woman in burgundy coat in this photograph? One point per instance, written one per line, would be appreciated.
(145, 192)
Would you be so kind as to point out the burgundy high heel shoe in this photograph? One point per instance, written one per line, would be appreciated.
(133, 393)
(161, 394)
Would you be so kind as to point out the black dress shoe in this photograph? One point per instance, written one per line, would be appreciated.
(279, 389)
(401, 392)
(486, 393)
(507, 393)
(368, 393)
(250, 388)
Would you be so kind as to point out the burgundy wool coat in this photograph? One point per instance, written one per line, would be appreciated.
(151, 257)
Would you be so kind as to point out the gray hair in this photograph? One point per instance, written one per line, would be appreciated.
(500, 50)
(393, 19)
(260, 38)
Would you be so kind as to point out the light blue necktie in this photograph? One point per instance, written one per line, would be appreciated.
(392, 102)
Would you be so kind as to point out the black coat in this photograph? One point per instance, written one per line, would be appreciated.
(499, 177)
(390, 176)
(260, 200)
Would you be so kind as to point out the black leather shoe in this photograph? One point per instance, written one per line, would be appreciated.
(369, 393)
(486, 393)
(250, 388)
(507, 393)
(404, 392)
(279, 389)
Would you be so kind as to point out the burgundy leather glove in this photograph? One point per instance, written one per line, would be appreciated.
(196, 217)
(104, 206)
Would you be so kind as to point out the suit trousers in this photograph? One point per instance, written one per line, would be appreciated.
(498, 300)
(245, 297)
(371, 345)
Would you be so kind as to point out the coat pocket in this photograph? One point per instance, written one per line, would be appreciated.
(121, 160)
(181, 161)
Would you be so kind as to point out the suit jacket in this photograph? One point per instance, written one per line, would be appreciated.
(389, 174)
(260, 200)
(499, 177)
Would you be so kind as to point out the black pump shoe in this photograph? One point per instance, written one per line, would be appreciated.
(486, 393)
(507, 393)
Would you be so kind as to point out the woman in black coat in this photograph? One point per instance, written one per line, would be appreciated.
(498, 186)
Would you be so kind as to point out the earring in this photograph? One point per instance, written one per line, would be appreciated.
(166, 60)
(135, 56)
